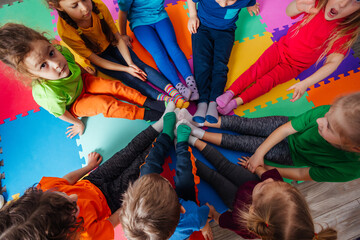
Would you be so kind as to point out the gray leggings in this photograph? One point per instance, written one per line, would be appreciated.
(253, 132)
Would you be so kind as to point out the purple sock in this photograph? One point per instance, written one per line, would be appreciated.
(224, 99)
(230, 106)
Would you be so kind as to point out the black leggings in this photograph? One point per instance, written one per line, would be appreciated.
(113, 177)
(228, 177)
(253, 132)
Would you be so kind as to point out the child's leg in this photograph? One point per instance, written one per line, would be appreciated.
(149, 38)
(112, 54)
(185, 178)
(279, 74)
(226, 189)
(203, 50)
(161, 146)
(165, 31)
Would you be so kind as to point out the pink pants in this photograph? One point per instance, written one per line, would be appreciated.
(267, 72)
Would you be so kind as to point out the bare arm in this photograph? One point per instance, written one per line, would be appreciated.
(122, 26)
(331, 64)
(298, 174)
(94, 159)
(274, 138)
(115, 218)
(78, 126)
(298, 6)
(194, 21)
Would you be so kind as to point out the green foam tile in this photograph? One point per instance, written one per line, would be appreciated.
(248, 26)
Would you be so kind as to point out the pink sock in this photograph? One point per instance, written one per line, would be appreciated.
(224, 99)
(230, 106)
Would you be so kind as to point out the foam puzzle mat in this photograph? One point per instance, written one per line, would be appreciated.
(34, 144)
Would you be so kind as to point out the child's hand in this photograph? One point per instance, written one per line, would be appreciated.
(137, 72)
(207, 232)
(213, 214)
(299, 90)
(127, 39)
(90, 70)
(75, 129)
(193, 24)
(94, 159)
(307, 6)
(254, 9)
(251, 163)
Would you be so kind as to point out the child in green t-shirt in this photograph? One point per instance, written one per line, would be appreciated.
(61, 87)
(322, 144)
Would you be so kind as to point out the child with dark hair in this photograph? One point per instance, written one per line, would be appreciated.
(64, 207)
(151, 208)
(88, 28)
(62, 88)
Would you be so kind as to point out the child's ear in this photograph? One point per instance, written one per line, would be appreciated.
(52, 6)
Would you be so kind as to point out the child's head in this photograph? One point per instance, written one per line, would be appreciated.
(150, 209)
(280, 212)
(75, 12)
(341, 125)
(40, 215)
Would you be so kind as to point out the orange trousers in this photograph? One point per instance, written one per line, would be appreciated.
(101, 95)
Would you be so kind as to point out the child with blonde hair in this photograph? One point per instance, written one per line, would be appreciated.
(322, 144)
(328, 29)
(89, 29)
(60, 87)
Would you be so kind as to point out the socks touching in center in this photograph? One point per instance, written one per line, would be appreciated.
(164, 98)
(183, 133)
(199, 116)
(184, 114)
(197, 132)
(176, 96)
(227, 109)
(190, 82)
(224, 99)
(154, 105)
(169, 123)
(183, 90)
(212, 115)
(158, 126)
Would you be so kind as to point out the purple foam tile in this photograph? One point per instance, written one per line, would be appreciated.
(277, 33)
(170, 1)
(348, 64)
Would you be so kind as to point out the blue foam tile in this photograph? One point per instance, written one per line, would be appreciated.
(35, 146)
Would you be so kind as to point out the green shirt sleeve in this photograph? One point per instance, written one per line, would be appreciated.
(302, 121)
(327, 174)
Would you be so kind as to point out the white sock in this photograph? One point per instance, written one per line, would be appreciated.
(158, 126)
(184, 114)
(195, 131)
(192, 140)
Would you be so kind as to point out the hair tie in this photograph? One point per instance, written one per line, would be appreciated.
(267, 225)
(79, 31)
(100, 15)
(316, 236)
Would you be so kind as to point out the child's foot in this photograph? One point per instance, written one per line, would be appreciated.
(183, 132)
(155, 105)
(184, 91)
(164, 98)
(195, 131)
(169, 123)
(212, 115)
(224, 99)
(200, 113)
(227, 109)
(158, 126)
(190, 82)
(192, 140)
(184, 114)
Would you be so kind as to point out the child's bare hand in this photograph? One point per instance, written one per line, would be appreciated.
(213, 214)
(90, 70)
(299, 90)
(137, 72)
(127, 39)
(254, 9)
(207, 232)
(307, 6)
(94, 159)
(75, 129)
(193, 24)
(251, 163)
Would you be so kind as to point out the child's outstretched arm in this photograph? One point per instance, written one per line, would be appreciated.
(298, 174)
(257, 159)
(331, 64)
(254, 9)
(122, 27)
(194, 21)
(78, 126)
(94, 160)
(299, 6)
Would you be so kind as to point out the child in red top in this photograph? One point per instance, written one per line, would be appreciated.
(328, 29)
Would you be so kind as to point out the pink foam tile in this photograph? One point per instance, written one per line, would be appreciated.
(273, 14)
(15, 98)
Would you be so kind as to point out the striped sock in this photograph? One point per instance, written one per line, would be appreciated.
(163, 97)
(176, 96)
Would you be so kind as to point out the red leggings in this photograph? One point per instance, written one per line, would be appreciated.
(99, 96)
(267, 72)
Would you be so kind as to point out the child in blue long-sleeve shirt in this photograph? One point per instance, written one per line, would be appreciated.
(213, 32)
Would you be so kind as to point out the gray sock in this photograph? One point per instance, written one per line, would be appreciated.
(199, 116)
(183, 90)
(212, 115)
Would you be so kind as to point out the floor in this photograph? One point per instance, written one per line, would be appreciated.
(333, 204)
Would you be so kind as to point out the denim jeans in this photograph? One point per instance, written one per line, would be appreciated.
(160, 41)
(211, 53)
(153, 76)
